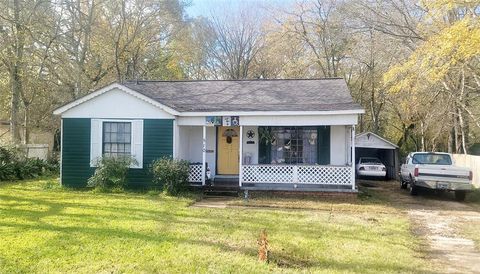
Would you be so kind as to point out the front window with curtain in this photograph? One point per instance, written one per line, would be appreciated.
(117, 138)
(294, 145)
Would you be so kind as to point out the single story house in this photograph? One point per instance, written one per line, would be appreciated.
(294, 134)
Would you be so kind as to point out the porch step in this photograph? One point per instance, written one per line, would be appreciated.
(221, 191)
(230, 193)
(223, 180)
(222, 187)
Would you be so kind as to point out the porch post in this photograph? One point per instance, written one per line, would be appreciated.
(241, 158)
(353, 156)
(204, 154)
(61, 151)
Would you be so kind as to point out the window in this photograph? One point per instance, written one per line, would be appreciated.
(293, 145)
(117, 138)
(369, 160)
(431, 159)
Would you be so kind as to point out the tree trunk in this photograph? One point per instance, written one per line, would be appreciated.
(455, 134)
(26, 137)
(15, 106)
(434, 144)
(16, 74)
(450, 141)
(422, 136)
(462, 130)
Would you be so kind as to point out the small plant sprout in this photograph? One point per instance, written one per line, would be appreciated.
(263, 247)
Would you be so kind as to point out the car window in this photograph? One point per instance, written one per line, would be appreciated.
(370, 160)
(431, 159)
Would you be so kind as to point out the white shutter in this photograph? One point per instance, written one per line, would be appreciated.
(137, 142)
(95, 141)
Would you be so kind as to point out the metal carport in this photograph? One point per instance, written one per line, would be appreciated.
(369, 144)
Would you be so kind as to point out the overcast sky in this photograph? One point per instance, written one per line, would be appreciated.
(203, 7)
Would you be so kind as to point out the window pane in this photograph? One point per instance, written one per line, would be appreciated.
(117, 138)
(121, 127)
(294, 145)
(120, 138)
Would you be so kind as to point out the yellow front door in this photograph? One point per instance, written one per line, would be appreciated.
(228, 146)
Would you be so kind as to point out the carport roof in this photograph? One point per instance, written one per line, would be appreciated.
(372, 140)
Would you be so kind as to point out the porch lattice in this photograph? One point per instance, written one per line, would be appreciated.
(195, 173)
(297, 174)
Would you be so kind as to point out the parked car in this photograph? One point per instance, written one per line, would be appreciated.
(435, 170)
(370, 166)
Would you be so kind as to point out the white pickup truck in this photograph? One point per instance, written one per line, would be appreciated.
(435, 170)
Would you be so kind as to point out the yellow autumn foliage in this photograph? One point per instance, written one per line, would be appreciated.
(434, 59)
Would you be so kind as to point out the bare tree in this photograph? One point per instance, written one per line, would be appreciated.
(22, 25)
(236, 40)
(320, 27)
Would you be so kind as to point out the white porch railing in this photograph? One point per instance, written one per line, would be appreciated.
(297, 174)
(195, 173)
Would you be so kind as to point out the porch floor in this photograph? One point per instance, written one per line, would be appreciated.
(229, 185)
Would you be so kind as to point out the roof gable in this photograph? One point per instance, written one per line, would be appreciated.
(372, 140)
(114, 86)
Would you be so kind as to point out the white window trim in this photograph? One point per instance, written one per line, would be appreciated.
(138, 155)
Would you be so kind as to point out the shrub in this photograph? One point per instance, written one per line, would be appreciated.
(52, 166)
(30, 168)
(8, 165)
(172, 174)
(8, 172)
(15, 166)
(111, 173)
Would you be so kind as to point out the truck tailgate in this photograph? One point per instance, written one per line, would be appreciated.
(443, 173)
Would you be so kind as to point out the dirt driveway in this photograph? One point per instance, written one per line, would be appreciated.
(440, 221)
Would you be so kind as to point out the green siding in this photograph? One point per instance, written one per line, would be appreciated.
(76, 152)
(157, 142)
(323, 145)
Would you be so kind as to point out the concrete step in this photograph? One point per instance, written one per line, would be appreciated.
(220, 192)
(222, 189)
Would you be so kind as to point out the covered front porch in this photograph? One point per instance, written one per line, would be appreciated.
(279, 155)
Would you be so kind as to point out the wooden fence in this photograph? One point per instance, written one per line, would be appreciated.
(472, 162)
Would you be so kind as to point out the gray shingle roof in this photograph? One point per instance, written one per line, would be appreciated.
(249, 95)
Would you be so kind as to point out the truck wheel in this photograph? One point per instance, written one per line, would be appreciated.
(413, 188)
(403, 184)
(460, 195)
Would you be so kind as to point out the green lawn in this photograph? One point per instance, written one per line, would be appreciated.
(44, 228)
